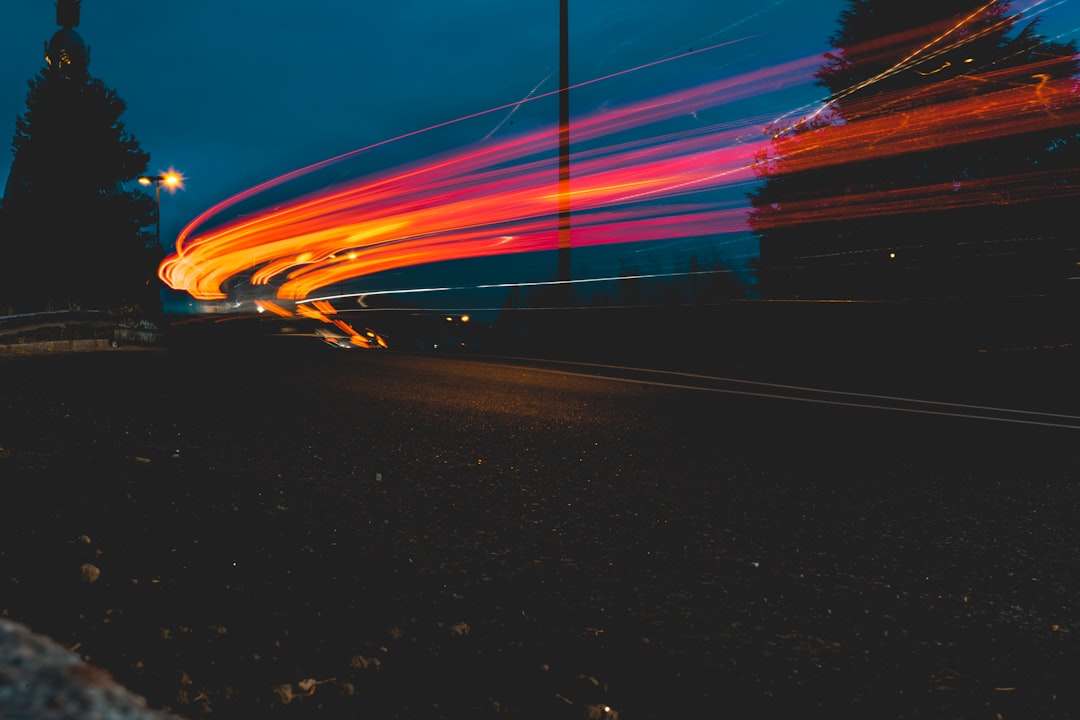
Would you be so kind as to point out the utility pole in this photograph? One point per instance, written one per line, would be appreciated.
(564, 146)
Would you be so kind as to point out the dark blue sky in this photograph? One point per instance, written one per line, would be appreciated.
(234, 93)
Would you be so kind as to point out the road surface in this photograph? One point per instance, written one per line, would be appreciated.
(325, 533)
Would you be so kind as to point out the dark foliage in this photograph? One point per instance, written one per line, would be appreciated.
(943, 164)
(71, 234)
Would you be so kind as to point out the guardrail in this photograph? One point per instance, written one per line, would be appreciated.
(72, 331)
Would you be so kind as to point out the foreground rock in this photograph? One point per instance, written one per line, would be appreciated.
(40, 680)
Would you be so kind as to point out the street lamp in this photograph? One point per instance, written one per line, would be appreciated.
(172, 180)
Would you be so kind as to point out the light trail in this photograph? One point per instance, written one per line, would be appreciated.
(465, 203)
(948, 36)
(639, 174)
(360, 296)
(944, 122)
(954, 111)
(263, 187)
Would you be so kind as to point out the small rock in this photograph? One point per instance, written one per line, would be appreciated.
(90, 572)
(285, 693)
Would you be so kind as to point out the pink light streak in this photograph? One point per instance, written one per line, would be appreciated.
(493, 198)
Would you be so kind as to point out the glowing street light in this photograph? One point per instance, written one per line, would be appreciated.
(172, 181)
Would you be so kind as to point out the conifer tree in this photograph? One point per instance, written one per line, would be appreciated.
(942, 165)
(71, 234)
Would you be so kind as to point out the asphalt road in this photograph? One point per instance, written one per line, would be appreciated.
(317, 533)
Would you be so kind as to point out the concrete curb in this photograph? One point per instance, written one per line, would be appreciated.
(54, 346)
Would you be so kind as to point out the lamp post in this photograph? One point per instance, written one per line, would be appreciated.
(171, 180)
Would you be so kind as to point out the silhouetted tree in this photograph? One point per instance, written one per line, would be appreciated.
(943, 164)
(70, 234)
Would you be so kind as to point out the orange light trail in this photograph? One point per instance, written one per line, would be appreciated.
(467, 203)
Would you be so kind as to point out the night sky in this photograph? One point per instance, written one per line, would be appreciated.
(232, 94)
